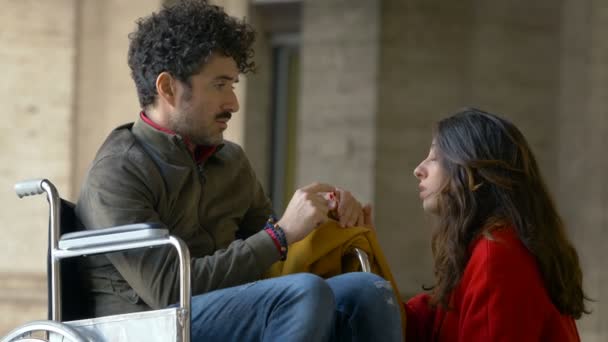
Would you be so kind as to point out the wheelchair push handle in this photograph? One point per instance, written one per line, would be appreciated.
(30, 187)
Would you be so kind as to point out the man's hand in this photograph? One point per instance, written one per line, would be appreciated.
(305, 211)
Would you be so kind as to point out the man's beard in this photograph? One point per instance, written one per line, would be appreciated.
(193, 130)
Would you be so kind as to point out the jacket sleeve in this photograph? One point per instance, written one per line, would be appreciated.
(498, 303)
(118, 191)
(420, 318)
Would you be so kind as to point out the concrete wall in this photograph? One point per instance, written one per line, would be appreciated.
(37, 54)
(336, 126)
(66, 84)
(582, 139)
(37, 57)
(105, 93)
(256, 135)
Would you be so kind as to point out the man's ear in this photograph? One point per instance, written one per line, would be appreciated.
(165, 88)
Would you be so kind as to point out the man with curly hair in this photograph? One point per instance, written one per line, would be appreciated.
(173, 167)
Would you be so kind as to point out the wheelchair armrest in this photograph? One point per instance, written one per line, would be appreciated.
(122, 238)
(363, 259)
(107, 236)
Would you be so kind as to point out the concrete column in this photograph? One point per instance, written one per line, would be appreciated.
(68, 85)
(37, 53)
(338, 98)
(582, 140)
(256, 109)
(514, 68)
(106, 96)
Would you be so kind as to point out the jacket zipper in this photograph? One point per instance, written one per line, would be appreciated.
(200, 168)
(201, 173)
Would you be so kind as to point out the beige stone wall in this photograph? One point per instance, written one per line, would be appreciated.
(514, 68)
(37, 56)
(256, 135)
(337, 107)
(66, 84)
(105, 94)
(37, 53)
(582, 139)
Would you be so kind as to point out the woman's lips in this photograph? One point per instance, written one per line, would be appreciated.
(421, 189)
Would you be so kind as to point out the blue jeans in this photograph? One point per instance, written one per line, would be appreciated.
(300, 307)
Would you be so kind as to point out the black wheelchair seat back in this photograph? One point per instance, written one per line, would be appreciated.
(74, 303)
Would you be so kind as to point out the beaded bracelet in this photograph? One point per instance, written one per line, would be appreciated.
(276, 232)
(274, 238)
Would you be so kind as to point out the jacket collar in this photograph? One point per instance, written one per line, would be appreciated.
(171, 146)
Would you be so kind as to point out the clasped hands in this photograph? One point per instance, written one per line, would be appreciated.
(316, 203)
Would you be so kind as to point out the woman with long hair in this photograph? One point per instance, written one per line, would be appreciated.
(504, 267)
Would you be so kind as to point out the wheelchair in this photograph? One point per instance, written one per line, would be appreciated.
(68, 241)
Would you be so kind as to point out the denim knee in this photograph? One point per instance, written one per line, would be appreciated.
(308, 299)
(368, 309)
(313, 289)
(364, 289)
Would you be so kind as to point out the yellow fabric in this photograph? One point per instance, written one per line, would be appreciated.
(327, 252)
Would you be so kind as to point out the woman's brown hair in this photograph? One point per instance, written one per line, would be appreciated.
(493, 178)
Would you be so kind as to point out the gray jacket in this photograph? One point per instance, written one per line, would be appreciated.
(141, 174)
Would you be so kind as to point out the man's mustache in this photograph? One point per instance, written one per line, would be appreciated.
(224, 115)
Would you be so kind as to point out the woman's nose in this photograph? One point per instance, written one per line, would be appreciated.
(418, 171)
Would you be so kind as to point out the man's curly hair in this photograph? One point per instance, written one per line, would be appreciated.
(180, 38)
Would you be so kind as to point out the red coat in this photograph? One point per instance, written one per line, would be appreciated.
(500, 297)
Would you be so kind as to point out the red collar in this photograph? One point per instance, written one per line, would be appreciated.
(199, 153)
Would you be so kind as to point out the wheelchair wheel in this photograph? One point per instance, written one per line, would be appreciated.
(24, 332)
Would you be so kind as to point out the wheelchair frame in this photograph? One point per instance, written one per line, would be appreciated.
(98, 242)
